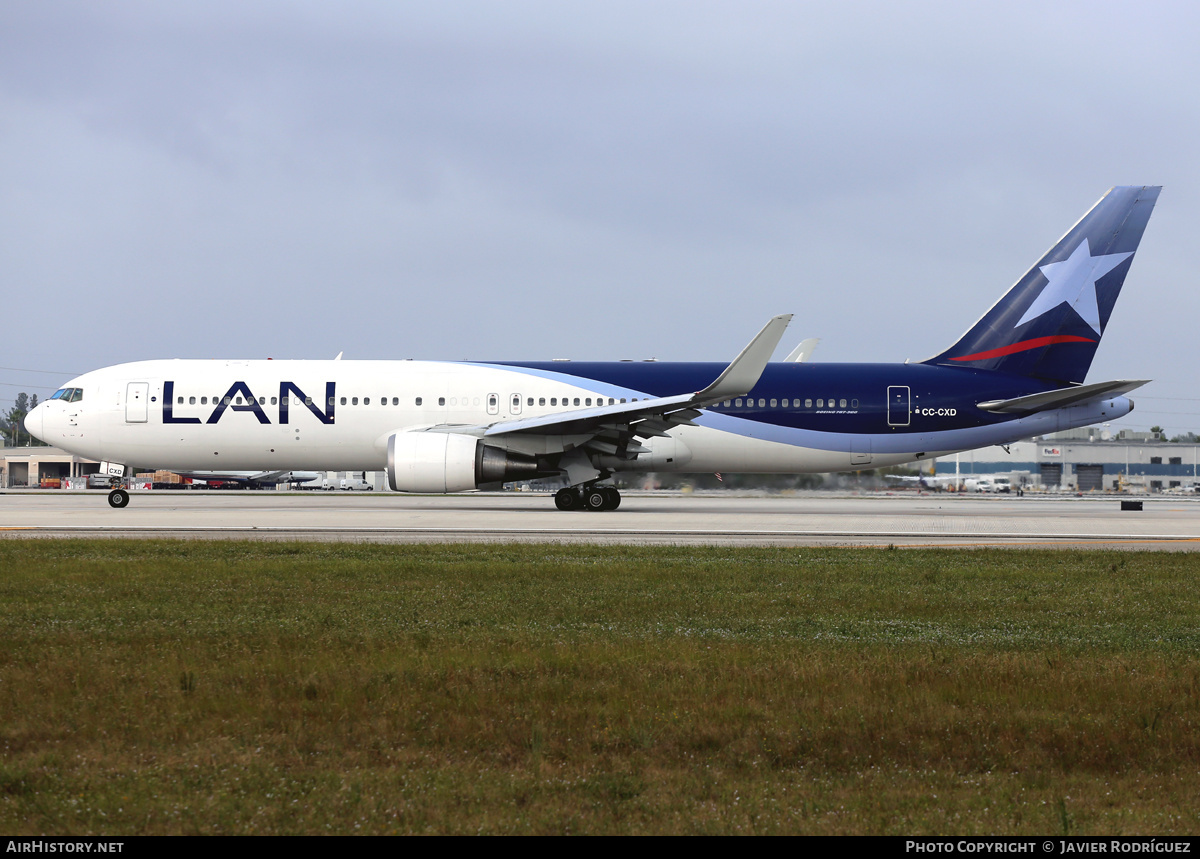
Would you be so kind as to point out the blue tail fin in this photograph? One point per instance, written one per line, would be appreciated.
(1049, 324)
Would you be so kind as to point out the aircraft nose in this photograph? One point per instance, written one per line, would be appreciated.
(35, 422)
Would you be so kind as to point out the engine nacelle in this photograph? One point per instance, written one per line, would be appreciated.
(449, 462)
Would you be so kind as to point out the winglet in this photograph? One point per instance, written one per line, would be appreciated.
(744, 372)
(803, 352)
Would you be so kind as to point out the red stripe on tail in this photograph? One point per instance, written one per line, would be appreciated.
(1024, 346)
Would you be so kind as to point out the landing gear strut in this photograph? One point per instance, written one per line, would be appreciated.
(588, 498)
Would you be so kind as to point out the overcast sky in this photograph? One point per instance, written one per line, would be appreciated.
(508, 180)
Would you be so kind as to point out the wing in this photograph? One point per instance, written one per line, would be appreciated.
(652, 417)
(614, 430)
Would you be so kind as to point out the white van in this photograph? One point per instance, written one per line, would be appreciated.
(351, 484)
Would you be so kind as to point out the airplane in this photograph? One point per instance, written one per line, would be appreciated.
(252, 478)
(968, 482)
(444, 427)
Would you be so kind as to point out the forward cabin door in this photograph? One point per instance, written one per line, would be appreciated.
(137, 396)
(899, 406)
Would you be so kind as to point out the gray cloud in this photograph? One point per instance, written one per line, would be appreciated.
(545, 179)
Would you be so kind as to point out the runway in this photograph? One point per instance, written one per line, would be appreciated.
(804, 519)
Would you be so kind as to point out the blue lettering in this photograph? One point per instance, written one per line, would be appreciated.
(169, 407)
(251, 404)
(286, 388)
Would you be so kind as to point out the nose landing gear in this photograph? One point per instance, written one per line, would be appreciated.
(588, 498)
(118, 498)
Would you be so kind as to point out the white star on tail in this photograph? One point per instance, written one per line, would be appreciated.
(1074, 281)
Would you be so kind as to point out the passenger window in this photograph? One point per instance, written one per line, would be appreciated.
(441, 401)
(762, 404)
(227, 400)
(204, 401)
(262, 401)
(541, 401)
(191, 401)
(395, 401)
(554, 401)
(773, 402)
(820, 404)
(587, 402)
(354, 401)
(331, 401)
(343, 400)
(622, 399)
(841, 404)
(854, 404)
(239, 401)
(491, 402)
(531, 401)
(366, 401)
(728, 403)
(808, 404)
(418, 401)
(273, 399)
(610, 401)
(180, 401)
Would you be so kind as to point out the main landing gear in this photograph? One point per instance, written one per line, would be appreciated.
(588, 498)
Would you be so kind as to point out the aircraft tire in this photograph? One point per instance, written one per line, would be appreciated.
(596, 499)
(118, 498)
(566, 499)
(614, 497)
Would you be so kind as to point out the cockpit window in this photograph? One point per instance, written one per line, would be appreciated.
(58, 394)
(70, 395)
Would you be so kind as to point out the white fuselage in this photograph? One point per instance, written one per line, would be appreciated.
(339, 415)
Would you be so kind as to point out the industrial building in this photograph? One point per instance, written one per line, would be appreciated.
(1085, 460)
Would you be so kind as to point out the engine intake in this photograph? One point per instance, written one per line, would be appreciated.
(449, 462)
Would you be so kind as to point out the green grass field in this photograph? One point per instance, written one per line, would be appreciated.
(191, 687)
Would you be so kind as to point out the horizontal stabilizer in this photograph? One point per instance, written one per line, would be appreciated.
(1063, 397)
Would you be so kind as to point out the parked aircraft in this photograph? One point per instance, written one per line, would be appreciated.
(252, 478)
(448, 427)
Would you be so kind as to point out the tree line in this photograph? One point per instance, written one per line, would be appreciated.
(12, 423)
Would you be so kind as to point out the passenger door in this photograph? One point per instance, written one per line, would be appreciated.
(899, 406)
(137, 396)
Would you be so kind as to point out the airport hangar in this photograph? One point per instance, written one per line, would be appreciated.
(1087, 459)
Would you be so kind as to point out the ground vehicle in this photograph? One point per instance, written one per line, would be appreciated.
(356, 483)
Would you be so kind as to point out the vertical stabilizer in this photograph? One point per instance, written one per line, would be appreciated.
(1049, 324)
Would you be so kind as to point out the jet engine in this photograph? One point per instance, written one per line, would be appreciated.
(450, 462)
